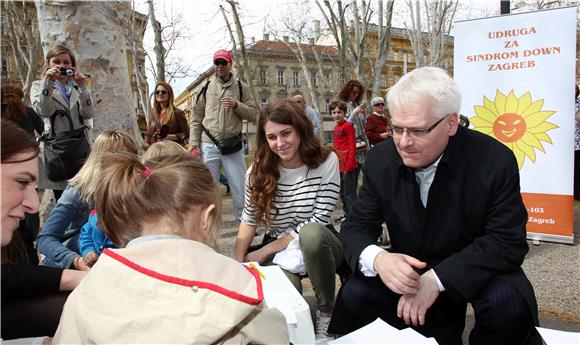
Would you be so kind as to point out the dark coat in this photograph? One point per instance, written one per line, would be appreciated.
(473, 228)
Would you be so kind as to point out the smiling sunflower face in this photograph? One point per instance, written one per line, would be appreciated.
(519, 123)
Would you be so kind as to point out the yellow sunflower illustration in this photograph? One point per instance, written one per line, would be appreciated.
(519, 123)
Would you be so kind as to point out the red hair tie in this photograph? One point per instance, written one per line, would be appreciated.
(146, 173)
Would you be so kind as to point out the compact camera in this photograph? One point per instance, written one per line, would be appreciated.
(69, 72)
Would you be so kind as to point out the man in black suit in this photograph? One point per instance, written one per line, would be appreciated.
(451, 200)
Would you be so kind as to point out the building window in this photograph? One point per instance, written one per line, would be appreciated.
(263, 79)
(327, 77)
(313, 78)
(4, 66)
(280, 77)
(296, 78)
(327, 105)
(395, 56)
(264, 101)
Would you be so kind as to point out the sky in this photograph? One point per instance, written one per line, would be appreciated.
(206, 32)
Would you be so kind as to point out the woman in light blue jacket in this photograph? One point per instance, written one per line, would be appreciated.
(58, 240)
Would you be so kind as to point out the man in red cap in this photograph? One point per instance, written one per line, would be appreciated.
(220, 106)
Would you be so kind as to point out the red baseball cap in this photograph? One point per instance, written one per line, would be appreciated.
(223, 54)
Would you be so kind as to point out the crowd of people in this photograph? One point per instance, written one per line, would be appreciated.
(122, 249)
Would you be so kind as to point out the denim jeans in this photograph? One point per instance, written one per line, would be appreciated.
(234, 169)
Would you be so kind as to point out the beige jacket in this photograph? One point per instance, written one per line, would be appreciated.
(46, 100)
(169, 291)
(221, 122)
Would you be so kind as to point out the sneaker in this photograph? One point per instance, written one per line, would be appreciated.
(322, 322)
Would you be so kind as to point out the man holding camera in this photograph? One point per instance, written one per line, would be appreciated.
(220, 106)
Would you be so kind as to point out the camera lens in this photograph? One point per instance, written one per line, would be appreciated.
(69, 72)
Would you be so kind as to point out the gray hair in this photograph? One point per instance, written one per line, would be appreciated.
(432, 82)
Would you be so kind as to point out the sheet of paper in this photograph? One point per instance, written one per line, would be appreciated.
(554, 337)
(275, 286)
(380, 332)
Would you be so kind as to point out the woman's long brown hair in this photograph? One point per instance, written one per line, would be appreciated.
(158, 107)
(263, 179)
(346, 89)
(15, 109)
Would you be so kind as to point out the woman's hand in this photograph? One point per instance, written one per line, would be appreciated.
(79, 264)
(360, 109)
(52, 73)
(79, 78)
(91, 258)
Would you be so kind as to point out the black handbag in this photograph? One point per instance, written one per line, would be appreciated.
(228, 145)
(65, 152)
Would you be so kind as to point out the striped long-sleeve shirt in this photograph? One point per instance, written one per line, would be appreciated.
(304, 196)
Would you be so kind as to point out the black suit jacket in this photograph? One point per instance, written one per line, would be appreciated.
(473, 228)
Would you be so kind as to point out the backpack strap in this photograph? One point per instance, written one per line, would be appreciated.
(202, 92)
(211, 137)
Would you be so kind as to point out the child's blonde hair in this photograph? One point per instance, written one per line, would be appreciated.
(86, 180)
(163, 148)
(132, 194)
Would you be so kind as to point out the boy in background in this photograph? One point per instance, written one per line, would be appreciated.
(344, 144)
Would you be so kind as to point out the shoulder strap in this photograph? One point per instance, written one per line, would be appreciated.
(211, 137)
(202, 92)
(240, 88)
(61, 113)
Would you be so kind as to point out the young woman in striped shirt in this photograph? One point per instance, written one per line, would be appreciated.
(291, 189)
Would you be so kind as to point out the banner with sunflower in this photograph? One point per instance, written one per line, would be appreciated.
(517, 76)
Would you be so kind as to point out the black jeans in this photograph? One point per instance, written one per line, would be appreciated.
(348, 189)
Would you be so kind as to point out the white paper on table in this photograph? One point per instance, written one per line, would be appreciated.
(380, 332)
(554, 337)
(275, 286)
(280, 302)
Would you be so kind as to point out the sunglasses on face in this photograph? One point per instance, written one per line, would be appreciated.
(220, 63)
(380, 105)
(162, 92)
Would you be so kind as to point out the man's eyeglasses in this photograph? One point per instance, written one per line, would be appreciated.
(162, 92)
(415, 132)
(380, 105)
(220, 62)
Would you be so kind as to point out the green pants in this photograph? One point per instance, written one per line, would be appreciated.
(322, 255)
